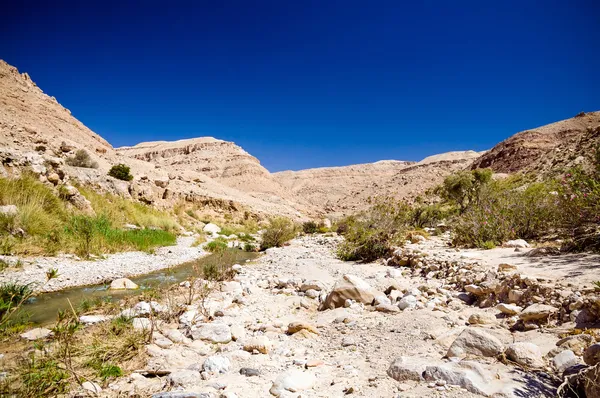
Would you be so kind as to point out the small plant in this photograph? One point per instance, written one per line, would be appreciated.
(249, 247)
(279, 231)
(109, 370)
(82, 159)
(488, 245)
(121, 172)
(216, 246)
(310, 227)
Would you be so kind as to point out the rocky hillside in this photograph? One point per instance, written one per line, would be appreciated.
(343, 190)
(548, 149)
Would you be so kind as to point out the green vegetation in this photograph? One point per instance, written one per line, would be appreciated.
(43, 223)
(372, 233)
(279, 231)
(82, 159)
(310, 227)
(216, 246)
(121, 172)
(462, 188)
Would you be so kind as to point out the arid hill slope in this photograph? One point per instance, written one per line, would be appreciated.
(548, 149)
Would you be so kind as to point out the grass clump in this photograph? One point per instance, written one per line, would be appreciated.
(279, 231)
(310, 227)
(216, 246)
(121, 172)
(82, 159)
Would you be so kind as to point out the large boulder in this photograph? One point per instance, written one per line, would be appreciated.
(351, 287)
(525, 354)
(469, 375)
(475, 342)
(211, 228)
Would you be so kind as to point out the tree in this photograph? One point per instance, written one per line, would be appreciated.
(120, 172)
(463, 187)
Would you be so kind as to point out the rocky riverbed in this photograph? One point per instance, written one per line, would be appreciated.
(73, 271)
(300, 323)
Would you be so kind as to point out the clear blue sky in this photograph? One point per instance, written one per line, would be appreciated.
(312, 83)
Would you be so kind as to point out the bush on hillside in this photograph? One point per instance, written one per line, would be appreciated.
(310, 227)
(462, 188)
(121, 172)
(279, 231)
(82, 159)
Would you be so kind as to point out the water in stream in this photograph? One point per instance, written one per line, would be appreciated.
(44, 307)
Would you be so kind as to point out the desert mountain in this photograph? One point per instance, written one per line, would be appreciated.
(548, 149)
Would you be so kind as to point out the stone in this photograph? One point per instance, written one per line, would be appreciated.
(472, 341)
(36, 334)
(408, 368)
(469, 375)
(577, 343)
(142, 308)
(537, 312)
(564, 360)
(591, 356)
(161, 341)
(509, 309)
(213, 332)
(312, 285)
(141, 323)
(517, 243)
(407, 302)
(249, 372)
(161, 182)
(123, 284)
(211, 228)
(182, 394)
(350, 288)
(525, 354)
(482, 318)
(93, 319)
(53, 178)
(506, 267)
(387, 308)
(295, 327)
(216, 364)
(293, 381)
(184, 377)
(348, 341)
(91, 387)
(9, 210)
(238, 332)
(260, 343)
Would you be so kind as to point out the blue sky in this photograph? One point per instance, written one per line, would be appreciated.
(304, 84)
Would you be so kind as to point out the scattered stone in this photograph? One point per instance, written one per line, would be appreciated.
(509, 309)
(565, 360)
(387, 308)
(123, 284)
(295, 327)
(216, 364)
(469, 375)
(350, 288)
(36, 334)
(249, 372)
(181, 394)
(293, 381)
(525, 354)
(213, 332)
(577, 343)
(348, 341)
(184, 377)
(407, 302)
(408, 368)
(261, 344)
(93, 319)
(91, 387)
(482, 318)
(476, 342)
(517, 243)
(537, 312)
(506, 268)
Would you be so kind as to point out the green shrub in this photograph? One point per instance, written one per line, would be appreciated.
(82, 159)
(462, 188)
(249, 247)
(44, 377)
(121, 172)
(503, 211)
(310, 227)
(109, 370)
(279, 231)
(372, 234)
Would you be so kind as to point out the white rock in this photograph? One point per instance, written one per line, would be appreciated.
(183, 378)
(213, 332)
(36, 334)
(260, 343)
(509, 309)
(407, 302)
(518, 243)
(525, 354)
(93, 319)
(211, 228)
(122, 284)
(216, 364)
(294, 381)
(188, 318)
(469, 375)
(142, 308)
(141, 323)
(175, 336)
(536, 312)
(473, 341)
(408, 368)
(565, 360)
(9, 210)
(91, 387)
(238, 332)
